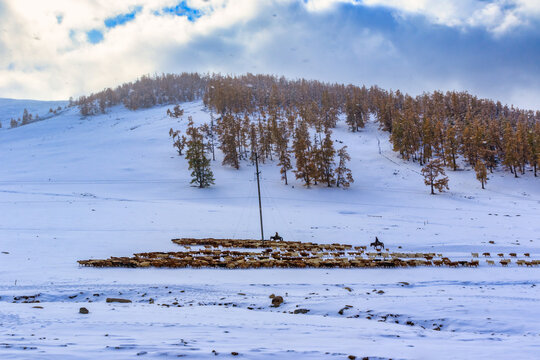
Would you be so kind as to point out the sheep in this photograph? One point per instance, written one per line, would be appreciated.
(486, 254)
(280, 254)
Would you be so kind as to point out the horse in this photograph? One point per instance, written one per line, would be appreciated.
(276, 237)
(377, 244)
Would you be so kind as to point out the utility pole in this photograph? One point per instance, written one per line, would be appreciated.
(259, 191)
(212, 134)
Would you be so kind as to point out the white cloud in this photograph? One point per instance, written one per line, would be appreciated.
(497, 16)
(43, 58)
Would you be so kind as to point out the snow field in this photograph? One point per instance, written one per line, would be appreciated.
(75, 188)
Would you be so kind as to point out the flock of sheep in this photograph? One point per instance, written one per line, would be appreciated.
(215, 253)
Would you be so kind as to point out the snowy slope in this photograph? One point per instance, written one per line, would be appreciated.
(13, 109)
(76, 188)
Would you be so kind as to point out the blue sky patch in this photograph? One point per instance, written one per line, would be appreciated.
(182, 9)
(94, 36)
(122, 18)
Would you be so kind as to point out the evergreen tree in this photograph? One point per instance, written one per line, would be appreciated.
(355, 113)
(434, 176)
(284, 164)
(179, 142)
(199, 164)
(535, 147)
(481, 172)
(177, 111)
(327, 153)
(301, 148)
(451, 146)
(26, 117)
(283, 151)
(315, 161)
(343, 174)
(227, 132)
(428, 139)
(212, 136)
(510, 149)
(522, 146)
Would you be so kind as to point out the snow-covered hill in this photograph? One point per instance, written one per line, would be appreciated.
(111, 185)
(13, 109)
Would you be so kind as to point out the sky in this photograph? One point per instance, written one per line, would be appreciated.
(55, 49)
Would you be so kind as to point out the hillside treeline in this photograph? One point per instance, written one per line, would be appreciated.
(265, 114)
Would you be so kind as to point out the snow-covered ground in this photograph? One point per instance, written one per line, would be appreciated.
(13, 109)
(111, 185)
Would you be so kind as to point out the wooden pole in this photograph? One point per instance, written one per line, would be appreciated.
(259, 191)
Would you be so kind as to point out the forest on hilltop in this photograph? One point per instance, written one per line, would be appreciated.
(261, 114)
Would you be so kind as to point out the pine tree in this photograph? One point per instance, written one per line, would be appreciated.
(26, 117)
(212, 136)
(470, 147)
(228, 140)
(283, 151)
(492, 144)
(301, 148)
(535, 146)
(328, 110)
(406, 138)
(13, 123)
(315, 161)
(438, 140)
(451, 146)
(522, 146)
(510, 149)
(327, 153)
(284, 164)
(434, 176)
(176, 113)
(291, 120)
(355, 113)
(343, 174)
(199, 164)
(179, 142)
(428, 139)
(481, 172)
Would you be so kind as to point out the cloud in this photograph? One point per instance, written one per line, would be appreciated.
(489, 48)
(497, 17)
